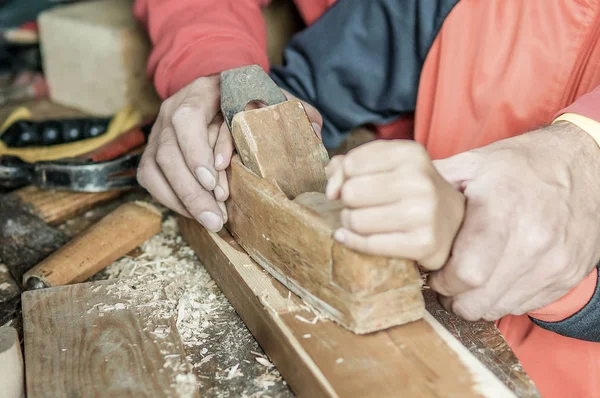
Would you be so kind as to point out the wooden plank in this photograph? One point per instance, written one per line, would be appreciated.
(319, 358)
(293, 240)
(103, 339)
(487, 344)
(54, 207)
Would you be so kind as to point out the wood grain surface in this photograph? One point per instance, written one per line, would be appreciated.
(102, 339)
(54, 207)
(293, 240)
(279, 144)
(319, 358)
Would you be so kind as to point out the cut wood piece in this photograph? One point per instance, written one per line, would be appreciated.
(319, 358)
(54, 207)
(278, 143)
(96, 247)
(293, 240)
(95, 55)
(103, 339)
(11, 364)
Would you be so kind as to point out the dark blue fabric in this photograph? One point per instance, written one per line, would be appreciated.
(583, 325)
(360, 63)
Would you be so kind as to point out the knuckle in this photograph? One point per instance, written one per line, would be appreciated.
(428, 241)
(183, 113)
(165, 156)
(348, 193)
(142, 176)
(494, 315)
(465, 311)
(472, 278)
(540, 239)
(427, 188)
(191, 199)
(165, 106)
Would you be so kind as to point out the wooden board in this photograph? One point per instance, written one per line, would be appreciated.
(103, 339)
(54, 207)
(319, 358)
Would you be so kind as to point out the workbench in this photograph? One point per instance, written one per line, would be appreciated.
(225, 357)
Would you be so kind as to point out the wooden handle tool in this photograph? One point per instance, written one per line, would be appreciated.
(98, 246)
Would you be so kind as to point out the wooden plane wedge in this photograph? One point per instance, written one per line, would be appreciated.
(279, 214)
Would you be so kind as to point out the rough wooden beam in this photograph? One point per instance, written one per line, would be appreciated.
(319, 358)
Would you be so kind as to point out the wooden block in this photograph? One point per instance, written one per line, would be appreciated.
(116, 234)
(11, 364)
(54, 207)
(294, 242)
(103, 339)
(318, 358)
(94, 56)
(278, 143)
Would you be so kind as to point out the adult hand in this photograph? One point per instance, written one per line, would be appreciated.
(189, 149)
(396, 204)
(530, 232)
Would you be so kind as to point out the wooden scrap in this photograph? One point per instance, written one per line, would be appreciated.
(96, 47)
(11, 364)
(54, 207)
(418, 359)
(103, 339)
(96, 247)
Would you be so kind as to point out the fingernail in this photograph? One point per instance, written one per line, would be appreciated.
(317, 129)
(211, 221)
(206, 178)
(218, 160)
(219, 193)
(340, 235)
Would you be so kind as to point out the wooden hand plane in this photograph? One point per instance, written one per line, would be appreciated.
(279, 214)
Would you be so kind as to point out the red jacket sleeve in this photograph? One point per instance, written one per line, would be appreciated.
(194, 38)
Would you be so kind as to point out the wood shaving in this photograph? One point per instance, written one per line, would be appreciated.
(174, 286)
(264, 362)
(234, 371)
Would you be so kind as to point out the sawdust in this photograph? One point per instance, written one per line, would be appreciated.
(176, 286)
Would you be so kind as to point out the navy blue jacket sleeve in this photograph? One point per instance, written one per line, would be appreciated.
(583, 325)
(360, 63)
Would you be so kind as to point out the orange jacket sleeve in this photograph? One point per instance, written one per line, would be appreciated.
(194, 38)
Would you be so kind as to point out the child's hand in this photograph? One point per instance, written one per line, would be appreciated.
(396, 204)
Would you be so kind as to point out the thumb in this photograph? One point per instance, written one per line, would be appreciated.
(459, 168)
(313, 114)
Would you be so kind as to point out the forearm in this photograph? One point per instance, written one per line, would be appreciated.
(195, 38)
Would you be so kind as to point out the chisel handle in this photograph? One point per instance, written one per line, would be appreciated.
(119, 232)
